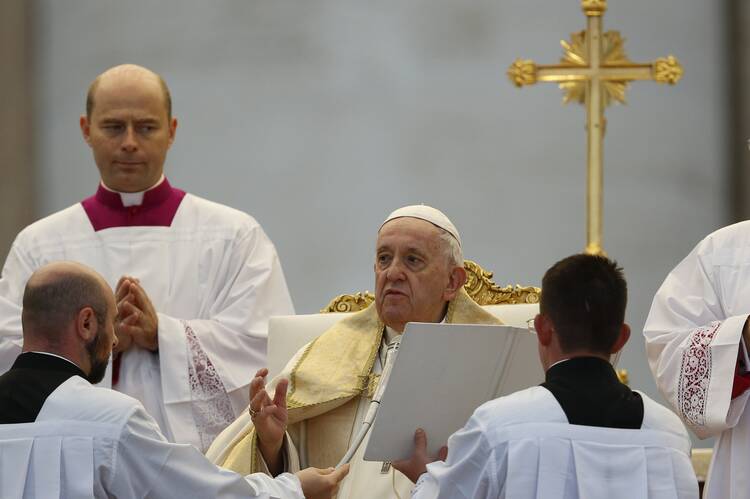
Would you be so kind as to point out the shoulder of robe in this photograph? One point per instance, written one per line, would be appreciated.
(59, 223)
(535, 404)
(732, 235)
(205, 212)
(658, 417)
(78, 400)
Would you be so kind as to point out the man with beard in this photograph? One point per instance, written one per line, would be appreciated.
(60, 294)
(62, 437)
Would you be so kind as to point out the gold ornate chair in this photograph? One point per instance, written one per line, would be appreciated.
(514, 305)
(479, 285)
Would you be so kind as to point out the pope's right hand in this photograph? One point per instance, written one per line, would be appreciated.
(269, 417)
(321, 484)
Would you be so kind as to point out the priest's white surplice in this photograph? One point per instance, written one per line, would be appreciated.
(693, 338)
(92, 442)
(214, 278)
(522, 447)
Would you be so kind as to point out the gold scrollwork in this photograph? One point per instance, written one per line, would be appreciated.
(349, 303)
(479, 285)
(522, 72)
(667, 70)
(594, 8)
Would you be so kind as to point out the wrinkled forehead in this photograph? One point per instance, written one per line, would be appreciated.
(408, 231)
(140, 95)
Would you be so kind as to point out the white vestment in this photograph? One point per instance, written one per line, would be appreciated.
(214, 278)
(92, 442)
(693, 334)
(522, 447)
(366, 479)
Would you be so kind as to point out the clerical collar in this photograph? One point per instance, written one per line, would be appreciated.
(581, 364)
(157, 208)
(55, 355)
(572, 358)
(47, 362)
(133, 198)
(391, 333)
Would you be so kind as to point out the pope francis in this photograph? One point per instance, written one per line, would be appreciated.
(321, 397)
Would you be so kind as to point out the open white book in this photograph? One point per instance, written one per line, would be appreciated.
(441, 374)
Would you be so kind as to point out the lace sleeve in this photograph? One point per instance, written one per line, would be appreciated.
(212, 409)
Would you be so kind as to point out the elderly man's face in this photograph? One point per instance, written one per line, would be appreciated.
(413, 276)
(129, 131)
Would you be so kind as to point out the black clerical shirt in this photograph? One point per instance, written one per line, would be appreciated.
(590, 394)
(26, 386)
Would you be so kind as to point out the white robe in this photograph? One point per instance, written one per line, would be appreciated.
(522, 447)
(693, 334)
(214, 278)
(366, 479)
(91, 442)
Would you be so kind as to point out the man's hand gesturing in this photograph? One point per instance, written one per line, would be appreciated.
(269, 417)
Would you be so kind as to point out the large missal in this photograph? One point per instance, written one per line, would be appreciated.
(443, 372)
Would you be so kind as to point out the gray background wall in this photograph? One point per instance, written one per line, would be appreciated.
(320, 117)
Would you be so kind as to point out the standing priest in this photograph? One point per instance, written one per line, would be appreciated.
(195, 281)
(697, 335)
(419, 277)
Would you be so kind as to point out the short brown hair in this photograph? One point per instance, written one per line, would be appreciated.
(585, 298)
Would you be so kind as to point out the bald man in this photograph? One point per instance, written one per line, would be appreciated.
(61, 437)
(195, 281)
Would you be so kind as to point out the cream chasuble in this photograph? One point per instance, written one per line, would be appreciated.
(331, 380)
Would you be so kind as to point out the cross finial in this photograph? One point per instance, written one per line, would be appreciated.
(594, 71)
(594, 8)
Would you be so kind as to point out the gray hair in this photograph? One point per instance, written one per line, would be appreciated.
(452, 248)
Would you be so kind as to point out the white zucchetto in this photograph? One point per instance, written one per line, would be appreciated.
(428, 214)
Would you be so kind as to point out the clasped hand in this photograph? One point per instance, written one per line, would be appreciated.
(137, 322)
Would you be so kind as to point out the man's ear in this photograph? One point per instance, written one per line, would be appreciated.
(456, 281)
(544, 329)
(172, 130)
(86, 324)
(83, 122)
(622, 338)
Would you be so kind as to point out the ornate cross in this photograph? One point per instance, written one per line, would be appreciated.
(595, 71)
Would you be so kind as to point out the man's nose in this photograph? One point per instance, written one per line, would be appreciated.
(129, 142)
(395, 271)
(115, 341)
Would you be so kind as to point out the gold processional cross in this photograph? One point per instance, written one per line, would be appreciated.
(595, 71)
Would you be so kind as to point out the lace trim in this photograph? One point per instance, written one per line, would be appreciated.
(695, 375)
(212, 409)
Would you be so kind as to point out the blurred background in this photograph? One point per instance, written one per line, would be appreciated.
(320, 117)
